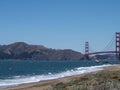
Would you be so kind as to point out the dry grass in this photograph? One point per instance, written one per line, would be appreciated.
(103, 80)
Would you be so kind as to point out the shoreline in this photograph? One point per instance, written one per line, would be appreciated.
(42, 85)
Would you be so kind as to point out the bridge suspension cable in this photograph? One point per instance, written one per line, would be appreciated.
(114, 44)
(110, 46)
(92, 50)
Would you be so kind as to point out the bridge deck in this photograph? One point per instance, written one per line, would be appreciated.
(102, 52)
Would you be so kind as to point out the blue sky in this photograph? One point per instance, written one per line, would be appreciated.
(59, 24)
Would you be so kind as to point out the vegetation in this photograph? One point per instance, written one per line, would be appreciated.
(21, 50)
(103, 80)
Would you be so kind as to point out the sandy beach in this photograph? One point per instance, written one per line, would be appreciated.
(43, 85)
(46, 84)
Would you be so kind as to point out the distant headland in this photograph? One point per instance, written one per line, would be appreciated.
(24, 51)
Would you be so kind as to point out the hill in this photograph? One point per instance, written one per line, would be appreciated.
(21, 50)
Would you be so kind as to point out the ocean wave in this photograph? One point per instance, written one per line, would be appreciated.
(17, 80)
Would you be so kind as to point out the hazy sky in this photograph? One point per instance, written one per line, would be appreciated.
(59, 23)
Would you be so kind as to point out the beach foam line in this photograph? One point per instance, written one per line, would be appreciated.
(17, 80)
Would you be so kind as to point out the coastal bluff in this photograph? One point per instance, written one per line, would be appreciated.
(24, 51)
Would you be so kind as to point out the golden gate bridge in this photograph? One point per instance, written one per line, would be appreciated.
(116, 51)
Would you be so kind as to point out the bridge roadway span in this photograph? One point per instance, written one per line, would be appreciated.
(102, 52)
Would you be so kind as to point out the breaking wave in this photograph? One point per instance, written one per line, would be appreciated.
(17, 80)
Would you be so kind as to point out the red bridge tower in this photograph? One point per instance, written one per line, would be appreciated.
(87, 50)
(118, 45)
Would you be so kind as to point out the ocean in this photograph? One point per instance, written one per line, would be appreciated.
(16, 72)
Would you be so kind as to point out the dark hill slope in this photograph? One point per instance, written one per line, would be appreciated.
(21, 50)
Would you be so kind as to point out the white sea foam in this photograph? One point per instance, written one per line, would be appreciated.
(17, 80)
